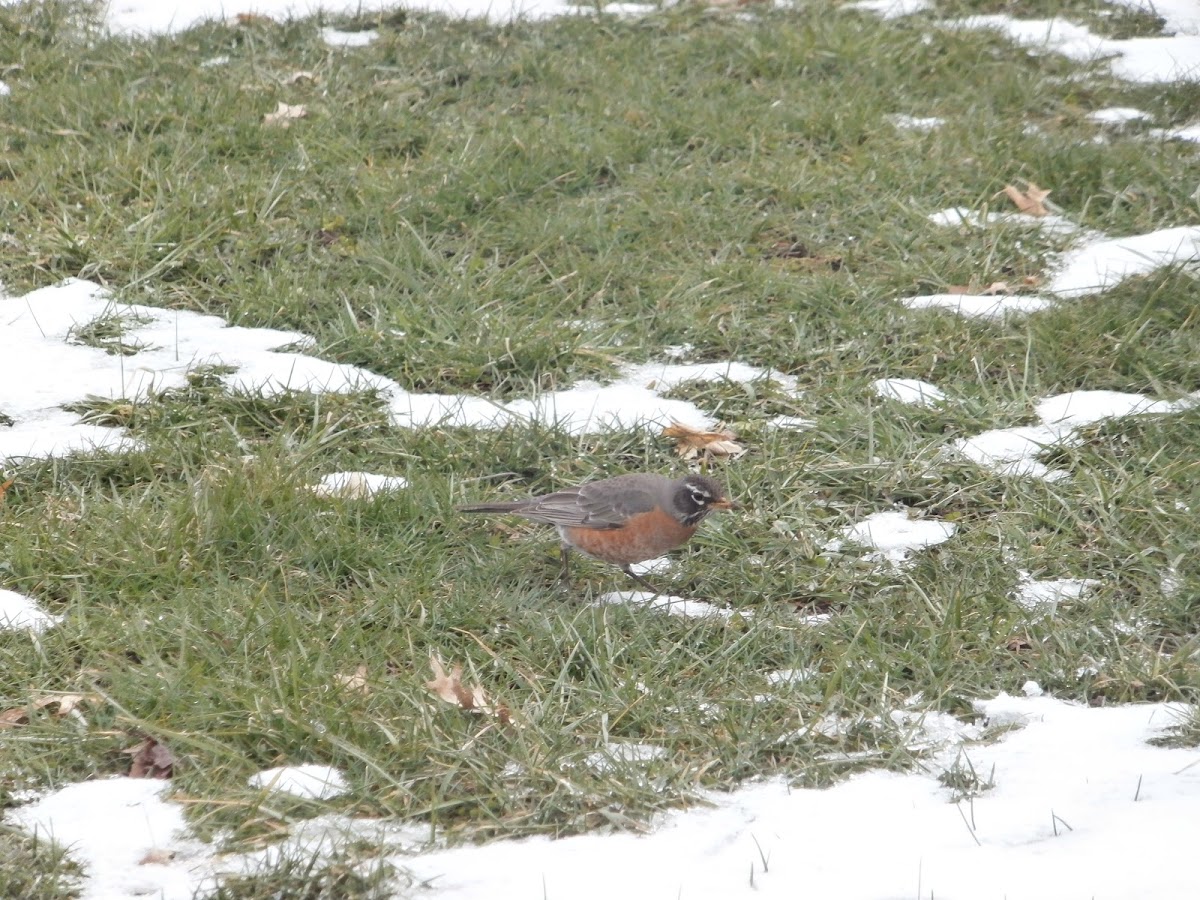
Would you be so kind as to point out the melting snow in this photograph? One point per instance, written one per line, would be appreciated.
(358, 485)
(1014, 451)
(676, 606)
(40, 350)
(893, 535)
(21, 613)
(1043, 597)
(908, 390)
(311, 781)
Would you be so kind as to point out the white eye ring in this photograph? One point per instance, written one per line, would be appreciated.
(700, 496)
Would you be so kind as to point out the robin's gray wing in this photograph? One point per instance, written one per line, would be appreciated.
(602, 504)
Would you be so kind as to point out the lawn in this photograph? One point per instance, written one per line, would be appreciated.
(502, 212)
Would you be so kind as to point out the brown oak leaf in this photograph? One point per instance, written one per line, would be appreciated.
(151, 760)
(691, 443)
(1031, 201)
(450, 687)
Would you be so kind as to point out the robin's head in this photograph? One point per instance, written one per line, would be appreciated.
(698, 495)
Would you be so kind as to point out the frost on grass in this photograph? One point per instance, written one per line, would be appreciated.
(148, 349)
(311, 781)
(21, 613)
(892, 536)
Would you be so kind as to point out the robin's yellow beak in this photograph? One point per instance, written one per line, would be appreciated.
(725, 503)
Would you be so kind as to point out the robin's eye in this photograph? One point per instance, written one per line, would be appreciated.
(700, 496)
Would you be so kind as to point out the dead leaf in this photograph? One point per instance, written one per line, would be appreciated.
(4, 488)
(300, 75)
(691, 443)
(254, 19)
(284, 114)
(150, 760)
(62, 704)
(58, 705)
(1017, 644)
(472, 699)
(158, 857)
(11, 718)
(355, 682)
(1031, 201)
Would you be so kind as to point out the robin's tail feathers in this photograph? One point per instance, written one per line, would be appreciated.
(492, 507)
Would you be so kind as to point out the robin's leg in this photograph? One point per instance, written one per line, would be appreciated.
(640, 580)
(564, 574)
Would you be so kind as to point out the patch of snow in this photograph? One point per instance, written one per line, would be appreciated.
(21, 613)
(815, 620)
(981, 306)
(1101, 263)
(1013, 451)
(916, 123)
(112, 828)
(617, 755)
(310, 781)
(890, 9)
(1189, 133)
(1145, 60)
(1058, 35)
(790, 676)
(1121, 797)
(1117, 115)
(144, 17)
(317, 841)
(1042, 597)
(652, 566)
(40, 352)
(791, 423)
(1179, 16)
(908, 390)
(358, 485)
(676, 606)
(961, 216)
(335, 38)
(892, 535)
(1157, 60)
(1079, 408)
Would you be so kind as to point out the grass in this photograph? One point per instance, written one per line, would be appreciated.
(503, 210)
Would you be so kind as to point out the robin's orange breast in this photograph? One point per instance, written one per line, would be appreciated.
(644, 536)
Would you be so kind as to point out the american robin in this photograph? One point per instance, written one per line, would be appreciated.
(622, 520)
